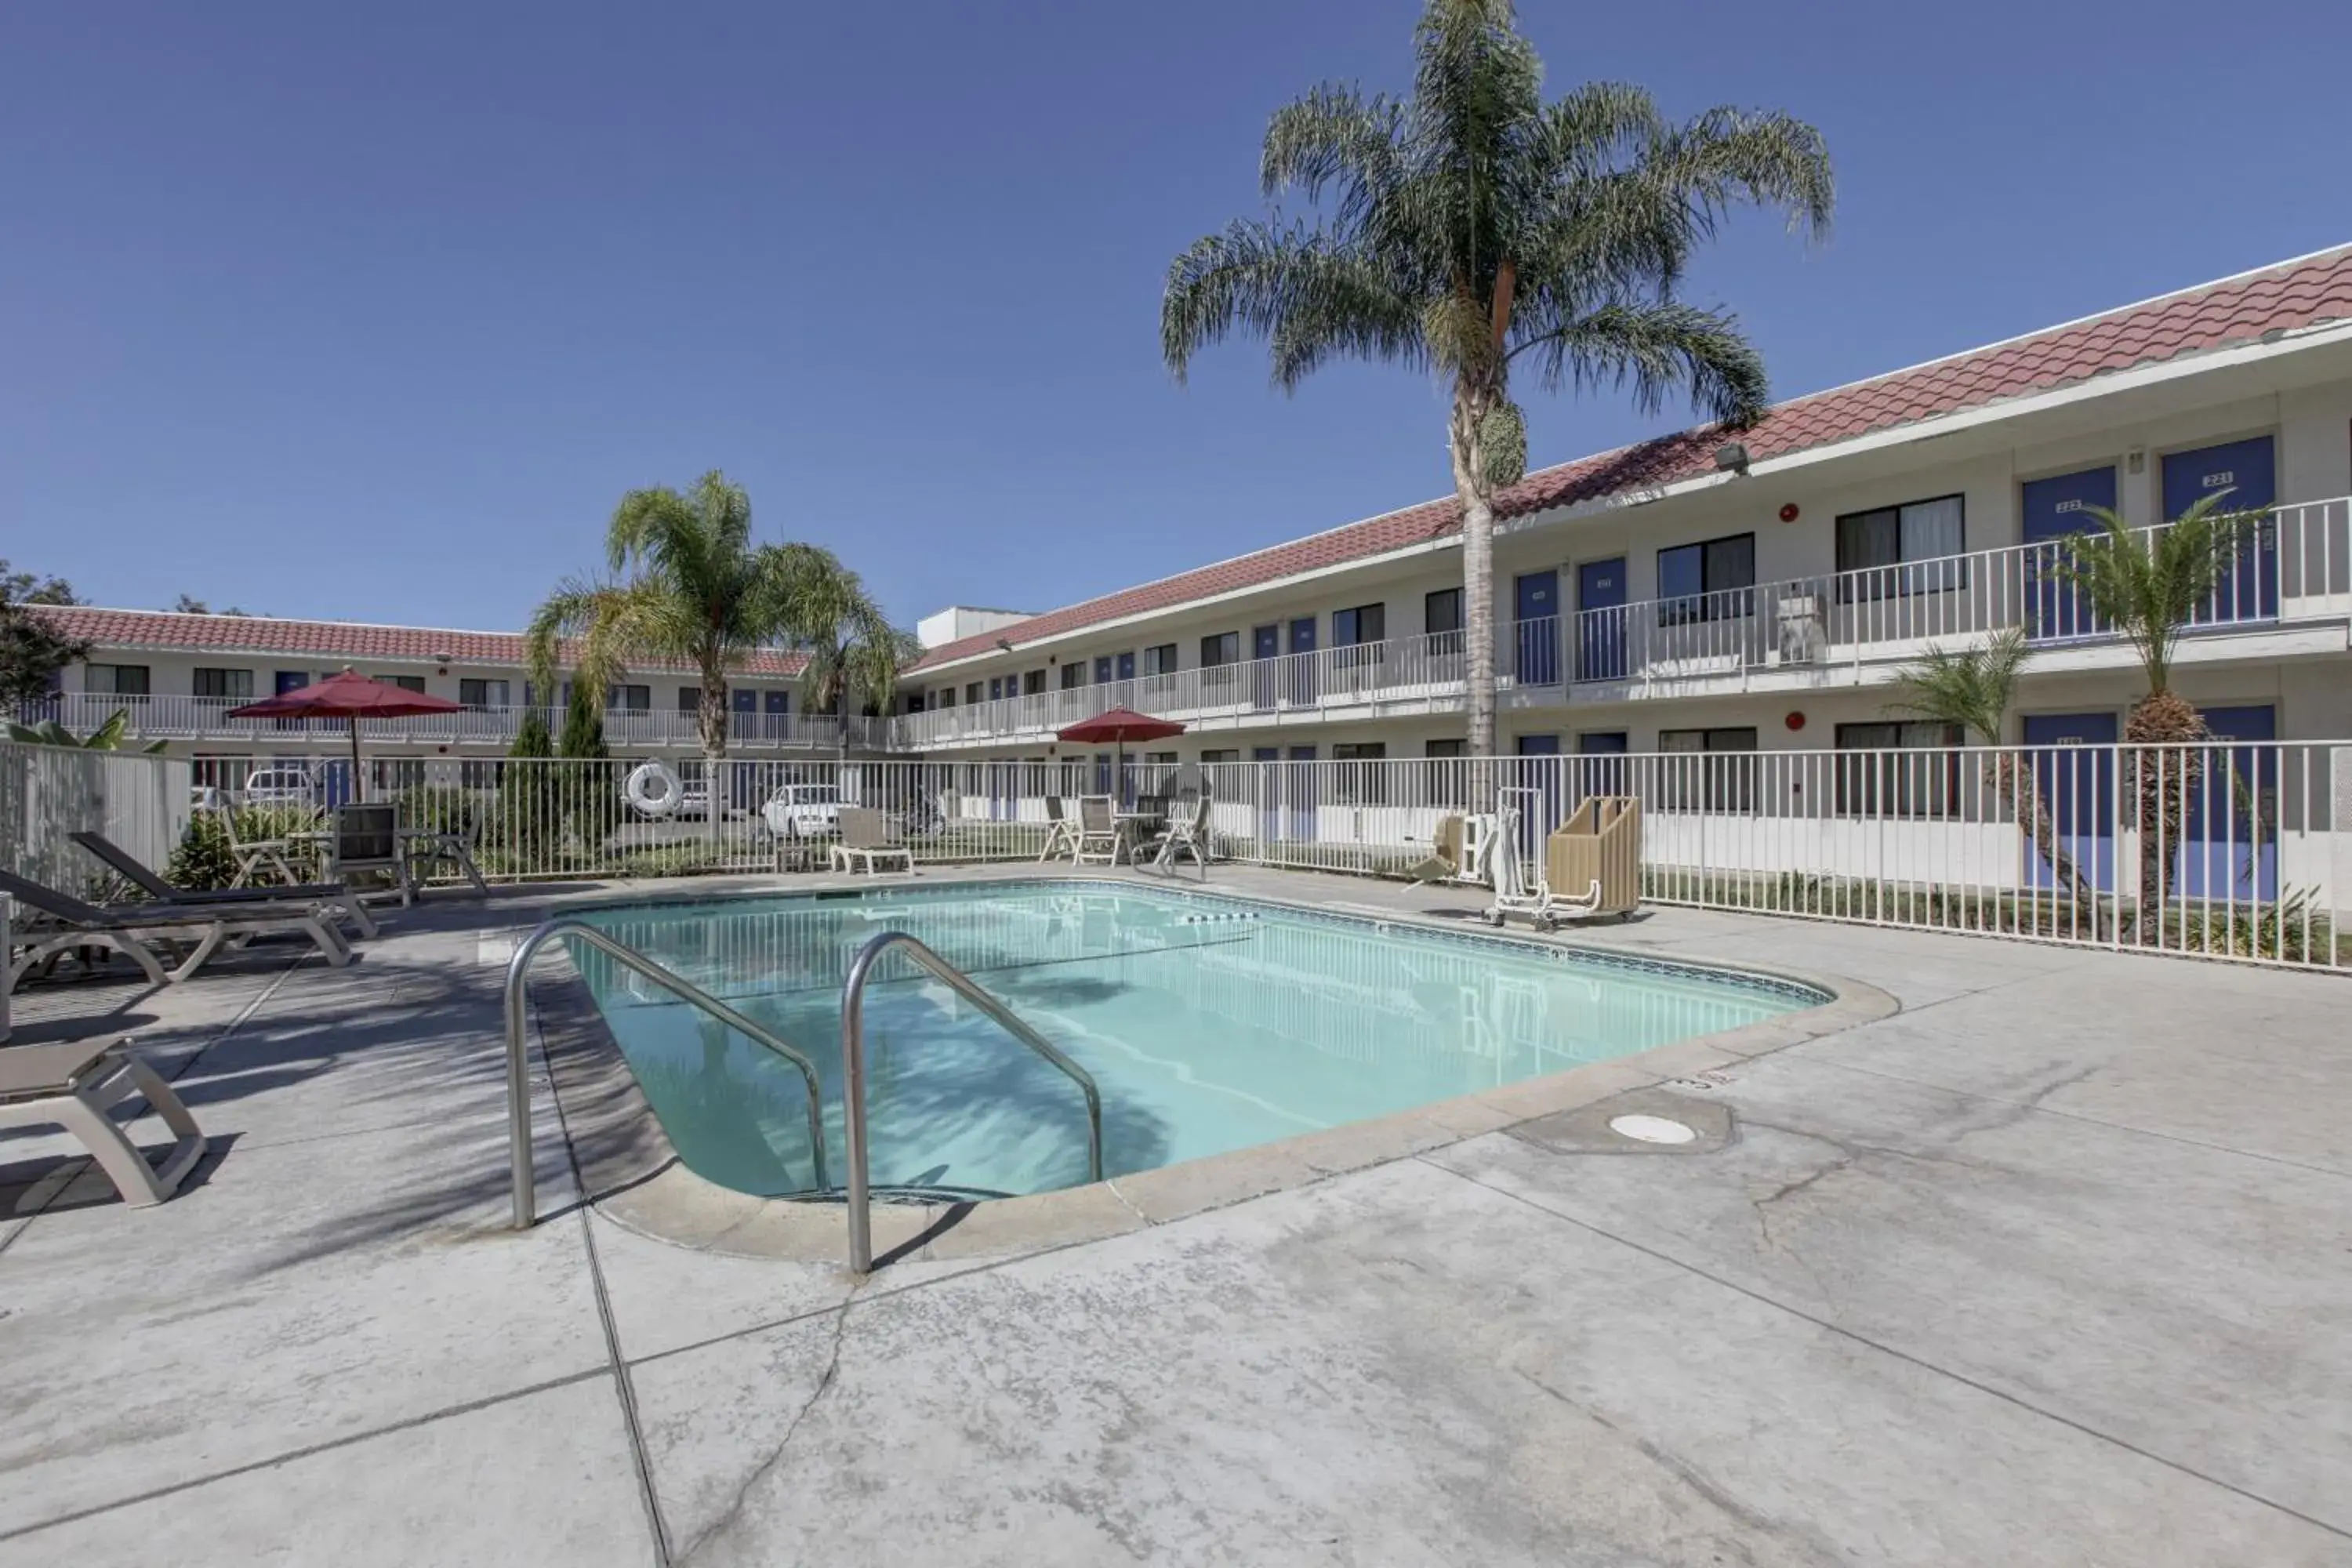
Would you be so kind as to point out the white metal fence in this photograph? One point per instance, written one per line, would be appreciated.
(48, 794)
(2230, 848)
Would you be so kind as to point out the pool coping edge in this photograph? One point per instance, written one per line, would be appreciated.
(632, 1173)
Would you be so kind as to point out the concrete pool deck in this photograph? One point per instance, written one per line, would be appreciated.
(2048, 1267)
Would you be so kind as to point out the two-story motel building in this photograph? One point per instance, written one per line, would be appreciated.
(1703, 592)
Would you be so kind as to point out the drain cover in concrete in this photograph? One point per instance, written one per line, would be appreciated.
(1639, 1122)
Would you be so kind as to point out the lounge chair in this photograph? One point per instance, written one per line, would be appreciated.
(1096, 843)
(74, 1084)
(1061, 835)
(866, 837)
(1187, 830)
(134, 931)
(131, 869)
(1444, 861)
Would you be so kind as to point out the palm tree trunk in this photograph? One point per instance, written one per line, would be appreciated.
(1477, 590)
(2034, 819)
(710, 719)
(2167, 764)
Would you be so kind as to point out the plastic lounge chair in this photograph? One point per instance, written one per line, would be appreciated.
(1444, 861)
(1187, 831)
(1061, 837)
(866, 837)
(132, 929)
(73, 1085)
(123, 864)
(1098, 836)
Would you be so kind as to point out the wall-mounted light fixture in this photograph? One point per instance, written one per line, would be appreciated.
(1732, 456)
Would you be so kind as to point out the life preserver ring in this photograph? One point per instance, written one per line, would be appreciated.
(654, 789)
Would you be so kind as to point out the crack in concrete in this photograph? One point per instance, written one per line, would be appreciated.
(1709, 1489)
(732, 1513)
(1126, 1205)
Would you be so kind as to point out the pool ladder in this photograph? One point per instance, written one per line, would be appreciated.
(517, 1055)
(853, 1071)
(852, 1059)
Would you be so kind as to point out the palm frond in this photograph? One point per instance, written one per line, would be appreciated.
(1651, 349)
(1290, 284)
(2149, 584)
(1333, 135)
(1972, 688)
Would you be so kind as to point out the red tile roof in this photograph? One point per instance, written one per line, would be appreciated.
(2281, 298)
(326, 639)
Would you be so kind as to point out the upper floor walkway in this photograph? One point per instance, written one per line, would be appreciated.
(2290, 583)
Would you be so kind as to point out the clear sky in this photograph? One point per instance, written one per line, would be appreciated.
(373, 311)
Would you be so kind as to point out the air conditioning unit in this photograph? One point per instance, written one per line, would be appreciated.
(1803, 637)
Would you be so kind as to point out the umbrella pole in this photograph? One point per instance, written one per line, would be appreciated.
(359, 785)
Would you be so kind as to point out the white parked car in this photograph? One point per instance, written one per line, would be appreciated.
(280, 787)
(804, 811)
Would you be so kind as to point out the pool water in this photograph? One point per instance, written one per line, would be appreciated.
(1209, 1024)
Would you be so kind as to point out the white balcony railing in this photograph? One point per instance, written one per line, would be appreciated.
(2296, 567)
(1398, 673)
(206, 719)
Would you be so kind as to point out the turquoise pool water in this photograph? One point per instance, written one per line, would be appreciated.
(1209, 1024)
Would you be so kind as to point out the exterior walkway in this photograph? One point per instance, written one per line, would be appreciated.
(2048, 1267)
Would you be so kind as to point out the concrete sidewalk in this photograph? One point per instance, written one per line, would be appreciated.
(2049, 1267)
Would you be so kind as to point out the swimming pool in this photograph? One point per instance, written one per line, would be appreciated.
(1209, 1023)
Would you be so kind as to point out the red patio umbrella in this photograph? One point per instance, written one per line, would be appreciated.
(1119, 726)
(347, 696)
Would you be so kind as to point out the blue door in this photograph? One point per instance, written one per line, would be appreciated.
(1539, 769)
(1265, 646)
(2078, 790)
(2054, 509)
(1299, 685)
(1601, 620)
(1599, 770)
(2228, 832)
(2244, 474)
(292, 680)
(1535, 628)
(779, 723)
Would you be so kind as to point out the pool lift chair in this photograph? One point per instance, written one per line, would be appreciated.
(1460, 851)
(1591, 866)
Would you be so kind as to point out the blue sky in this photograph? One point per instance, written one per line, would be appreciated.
(373, 312)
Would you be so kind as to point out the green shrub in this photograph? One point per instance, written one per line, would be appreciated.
(203, 859)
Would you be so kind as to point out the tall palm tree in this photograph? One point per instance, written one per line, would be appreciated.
(689, 586)
(1474, 229)
(1972, 690)
(2148, 584)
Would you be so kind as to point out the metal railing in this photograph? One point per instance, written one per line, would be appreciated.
(1395, 674)
(518, 1054)
(164, 717)
(852, 1072)
(2295, 566)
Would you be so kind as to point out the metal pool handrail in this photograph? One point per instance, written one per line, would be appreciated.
(518, 1066)
(852, 1072)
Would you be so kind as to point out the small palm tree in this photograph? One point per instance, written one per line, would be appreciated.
(689, 585)
(1972, 689)
(1474, 228)
(2148, 584)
